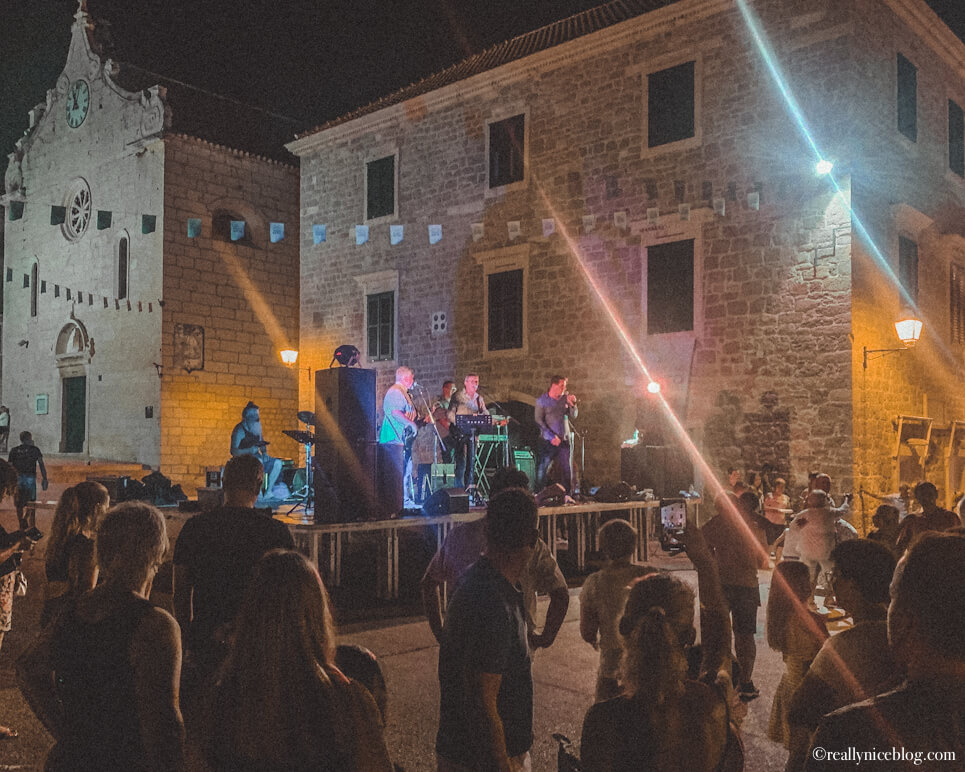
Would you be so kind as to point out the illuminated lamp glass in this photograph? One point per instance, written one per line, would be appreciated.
(908, 330)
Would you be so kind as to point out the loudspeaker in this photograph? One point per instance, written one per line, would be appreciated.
(525, 461)
(447, 501)
(345, 449)
(345, 404)
(391, 477)
(442, 475)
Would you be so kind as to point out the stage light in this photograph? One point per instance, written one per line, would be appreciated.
(823, 167)
(653, 387)
(289, 356)
(346, 355)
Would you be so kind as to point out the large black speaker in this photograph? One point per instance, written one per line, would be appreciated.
(446, 501)
(345, 403)
(345, 450)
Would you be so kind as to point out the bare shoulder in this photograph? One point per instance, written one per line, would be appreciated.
(157, 630)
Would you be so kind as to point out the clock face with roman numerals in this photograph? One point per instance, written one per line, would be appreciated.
(78, 102)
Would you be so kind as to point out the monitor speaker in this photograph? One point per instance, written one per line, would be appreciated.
(447, 501)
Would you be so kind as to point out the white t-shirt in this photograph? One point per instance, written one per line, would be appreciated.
(605, 593)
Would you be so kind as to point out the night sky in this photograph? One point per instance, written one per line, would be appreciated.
(308, 59)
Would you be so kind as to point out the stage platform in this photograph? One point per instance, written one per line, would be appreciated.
(325, 540)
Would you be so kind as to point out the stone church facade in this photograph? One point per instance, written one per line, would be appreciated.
(126, 338)
(626, 195)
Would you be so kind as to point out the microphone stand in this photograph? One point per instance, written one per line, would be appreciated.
(578, 487)
(435, 429)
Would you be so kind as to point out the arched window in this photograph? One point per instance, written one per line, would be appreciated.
(34, 288)
(123, 267)
(72, 341)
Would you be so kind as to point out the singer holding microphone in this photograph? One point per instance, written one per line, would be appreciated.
(553, 411)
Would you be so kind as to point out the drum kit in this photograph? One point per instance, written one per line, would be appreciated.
(306, 494)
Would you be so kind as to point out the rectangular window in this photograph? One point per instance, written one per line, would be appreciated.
(908, 266)
(380, 324)
(670, 105)
(505, 310)
(380, 188)
(907, 98)
(506, 151)
(670, 287)
(34, 275)
(957, 304)
(122, 269)
(956, 139)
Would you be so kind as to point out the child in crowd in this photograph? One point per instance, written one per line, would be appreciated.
(602, 599)
(796, 631)
(886, 527)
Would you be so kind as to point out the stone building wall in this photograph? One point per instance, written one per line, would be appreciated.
(764, 378)
(115, 154)
(907, 190)
(243, 294)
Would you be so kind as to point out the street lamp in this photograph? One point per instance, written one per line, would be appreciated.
(908, 330)
(289, 356)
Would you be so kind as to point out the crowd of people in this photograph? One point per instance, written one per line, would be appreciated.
(247, 674)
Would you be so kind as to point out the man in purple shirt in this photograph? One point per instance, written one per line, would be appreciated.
(553, 412)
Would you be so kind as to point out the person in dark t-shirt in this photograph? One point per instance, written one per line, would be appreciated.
(26, 457)
(213, 559)
(485, 677)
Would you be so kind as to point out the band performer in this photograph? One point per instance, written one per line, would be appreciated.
(247, 440)
(467, 401)
(440, 411)
(427, 450)
(553, 412)
(398, 430)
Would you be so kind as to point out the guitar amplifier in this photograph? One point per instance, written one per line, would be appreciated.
(443, 476)
(525, 461)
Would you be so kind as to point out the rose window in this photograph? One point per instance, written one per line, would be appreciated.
(77, 216)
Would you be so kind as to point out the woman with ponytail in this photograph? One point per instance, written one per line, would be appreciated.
(70, 566)
(672, 716)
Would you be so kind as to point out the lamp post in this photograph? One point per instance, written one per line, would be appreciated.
(908, 330)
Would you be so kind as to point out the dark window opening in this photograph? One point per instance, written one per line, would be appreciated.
(670, 287)
(908, 266)
(956, 138)
(907, 98)
(122, 268)
(34, 288)
(505, 310)
(506, 151)
(957, 304)
(380, 188)
(380, 323)
(670, 105)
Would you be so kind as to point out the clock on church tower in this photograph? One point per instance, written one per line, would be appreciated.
(78, 103)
